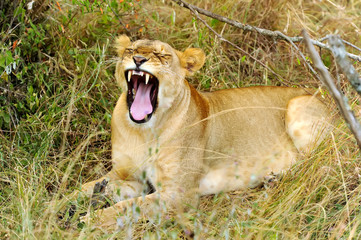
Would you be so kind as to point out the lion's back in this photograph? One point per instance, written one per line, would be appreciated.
(249, 122)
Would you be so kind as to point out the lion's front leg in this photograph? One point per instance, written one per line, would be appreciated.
(174, 196)
(145, 207)
(113, 187)
(101, 193)
(116, 215)
(115, 191)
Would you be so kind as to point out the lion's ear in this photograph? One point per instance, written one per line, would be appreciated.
(192, 59)
(121, 43)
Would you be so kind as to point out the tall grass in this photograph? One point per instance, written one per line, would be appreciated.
(56, 104)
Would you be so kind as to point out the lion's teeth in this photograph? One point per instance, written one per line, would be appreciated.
(146, 78)
(129, 75)
(139, 73)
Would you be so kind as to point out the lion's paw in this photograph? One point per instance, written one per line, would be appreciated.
(271, 180)
(99, 198)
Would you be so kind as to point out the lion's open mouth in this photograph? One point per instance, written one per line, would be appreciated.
(142, 95)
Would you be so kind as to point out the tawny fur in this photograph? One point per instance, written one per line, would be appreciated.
(201, 143)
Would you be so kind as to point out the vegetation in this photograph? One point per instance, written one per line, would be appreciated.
(57, 92)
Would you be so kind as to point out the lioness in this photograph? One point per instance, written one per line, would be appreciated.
(183, 143)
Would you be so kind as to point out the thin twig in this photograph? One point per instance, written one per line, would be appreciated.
(118, 17)
(351, 45)
(273, 34)
(323, 39)
(339, 52)
(344, 41)
(341, 101)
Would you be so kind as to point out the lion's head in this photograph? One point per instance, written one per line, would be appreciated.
(152, 74)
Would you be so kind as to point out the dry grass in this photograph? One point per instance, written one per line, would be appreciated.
(63, 137)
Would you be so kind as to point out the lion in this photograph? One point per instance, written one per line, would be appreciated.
(172, 144)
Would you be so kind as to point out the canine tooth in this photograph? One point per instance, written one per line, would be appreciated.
(129, 75)
(146, 78)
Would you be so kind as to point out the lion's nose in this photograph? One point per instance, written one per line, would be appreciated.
(139, 60)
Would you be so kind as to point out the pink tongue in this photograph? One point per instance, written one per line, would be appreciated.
(141, 105)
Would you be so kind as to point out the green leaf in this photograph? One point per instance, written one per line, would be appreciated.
(8, 58)
(6, 117)
(114, 4)
(30, 90)
(2, 62)
(214, 22)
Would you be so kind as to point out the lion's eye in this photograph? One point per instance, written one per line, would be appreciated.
(163, 57)
(158, 54)
(129, 50)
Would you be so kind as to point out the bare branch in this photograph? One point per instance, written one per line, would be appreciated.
(339, 52)
(351, 45)
(341, 101)
(119, 19)
(276, 35)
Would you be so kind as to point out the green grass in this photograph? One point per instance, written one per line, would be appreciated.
(56, 103)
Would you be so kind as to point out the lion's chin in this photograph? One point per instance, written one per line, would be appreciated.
(142, 95)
